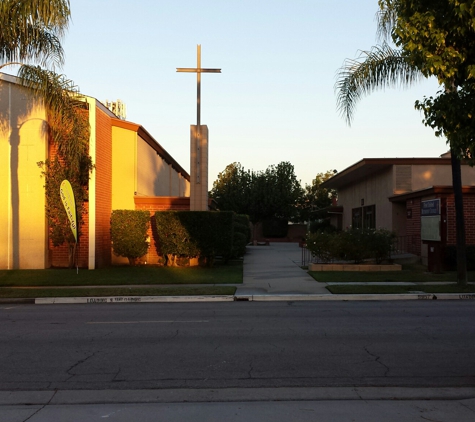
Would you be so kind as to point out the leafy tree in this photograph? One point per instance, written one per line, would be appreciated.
(269, 194)
(315, 198)
(433, 38)
(31, 40)
(231, 189)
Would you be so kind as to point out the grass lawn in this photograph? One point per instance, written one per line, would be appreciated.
(230, 273)
(377, 289)
(9, 293)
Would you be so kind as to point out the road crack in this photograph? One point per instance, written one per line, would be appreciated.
(42, 407)
(79, 362)
(377, 360)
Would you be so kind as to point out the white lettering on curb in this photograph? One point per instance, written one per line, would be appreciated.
(424, 297)
(113, 300)
(467, 296)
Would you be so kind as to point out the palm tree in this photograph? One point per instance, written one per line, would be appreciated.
(384, 66)
(30, 40)
(32, 31)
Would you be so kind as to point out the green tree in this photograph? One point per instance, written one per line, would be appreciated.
(433, 38)
(30, 39)
(231, 190)
(315, 198)
(269, 194)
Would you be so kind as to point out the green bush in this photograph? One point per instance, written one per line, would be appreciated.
(354, 245)
(129, 233)
(323, 245)
(321, 226)
(203, 234)
(242, 235)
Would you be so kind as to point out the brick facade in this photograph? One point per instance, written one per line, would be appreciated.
(103, 171)
(413, 226)
(413, 207)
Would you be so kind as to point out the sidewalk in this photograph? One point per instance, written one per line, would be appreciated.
(275, 270)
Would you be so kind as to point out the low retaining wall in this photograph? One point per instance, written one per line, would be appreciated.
(353, 267)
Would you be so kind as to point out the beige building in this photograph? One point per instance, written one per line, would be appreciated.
(382, 193)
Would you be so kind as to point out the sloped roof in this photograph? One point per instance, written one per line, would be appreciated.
(145, 135)
(369, 166)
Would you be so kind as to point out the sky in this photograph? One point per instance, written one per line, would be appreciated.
(274, 100)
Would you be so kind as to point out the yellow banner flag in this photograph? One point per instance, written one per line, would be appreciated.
(67, 196)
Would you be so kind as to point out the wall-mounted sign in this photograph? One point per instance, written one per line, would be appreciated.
(430, 220)
(431, 207)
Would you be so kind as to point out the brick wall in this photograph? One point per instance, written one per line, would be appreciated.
(469, 213)
(103, 171)
(58, 256)
(413, 226)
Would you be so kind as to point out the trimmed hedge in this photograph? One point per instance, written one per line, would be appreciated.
(354, 245)
(242, 235)
(129, 233)
(203, 234)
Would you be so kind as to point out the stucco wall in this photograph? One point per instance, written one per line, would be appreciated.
(124, 163)
(427, 176)
(153, 174)
(374, 191)
(23, 143)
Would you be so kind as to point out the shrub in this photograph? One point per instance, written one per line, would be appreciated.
(323, 245)
(129, 233)
(203, 234)
(354, 245)
(321, 226)
(241, 236)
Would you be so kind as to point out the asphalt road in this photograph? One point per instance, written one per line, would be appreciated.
(237, 345)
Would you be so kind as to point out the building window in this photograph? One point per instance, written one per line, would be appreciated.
(364, 217)
(369, 217)
(356, 220)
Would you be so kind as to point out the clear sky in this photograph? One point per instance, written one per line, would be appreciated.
(274, 100)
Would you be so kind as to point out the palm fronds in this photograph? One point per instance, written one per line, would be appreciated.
(31, 31)
(378, 68)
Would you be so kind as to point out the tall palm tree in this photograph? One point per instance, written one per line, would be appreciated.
(30, 40)
(384, 66)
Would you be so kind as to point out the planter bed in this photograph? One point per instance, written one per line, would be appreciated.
(354, 267)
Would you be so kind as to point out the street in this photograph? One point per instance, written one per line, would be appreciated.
(237, 345)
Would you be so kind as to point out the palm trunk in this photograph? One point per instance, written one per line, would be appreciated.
(459, 219)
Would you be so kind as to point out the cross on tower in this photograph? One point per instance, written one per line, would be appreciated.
(198, 70)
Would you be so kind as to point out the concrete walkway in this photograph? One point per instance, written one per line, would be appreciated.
(275, 270)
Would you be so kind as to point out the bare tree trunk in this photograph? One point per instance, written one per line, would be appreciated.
(459, 220)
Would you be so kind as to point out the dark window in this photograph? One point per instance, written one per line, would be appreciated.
(369, 217)
(356, 220)
(364, 217)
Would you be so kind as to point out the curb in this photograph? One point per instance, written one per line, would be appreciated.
(247, 298)
(206, 395)
(130, 299)
(354, 297)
